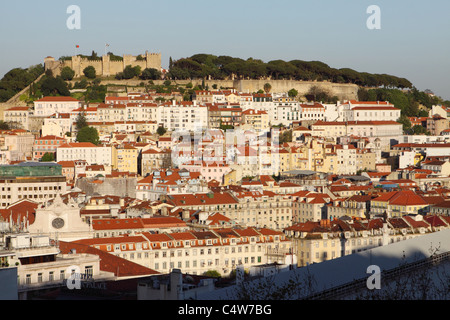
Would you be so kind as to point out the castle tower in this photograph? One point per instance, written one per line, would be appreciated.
(106, 65)
(51, 64)
(76, 66)
(153, 60)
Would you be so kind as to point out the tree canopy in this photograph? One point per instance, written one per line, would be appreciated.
(48, 157)
(225, 67)
(67, 73)
(88, 134)
(51, 86)
(18, 79)
(90, 72)
(81, 121)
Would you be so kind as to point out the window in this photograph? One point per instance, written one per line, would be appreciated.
(89, 272)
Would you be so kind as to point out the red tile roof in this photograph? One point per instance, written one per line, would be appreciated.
(57, 99)
(201, 199)
(108, 262)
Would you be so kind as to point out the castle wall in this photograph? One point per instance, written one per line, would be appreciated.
(103, 66)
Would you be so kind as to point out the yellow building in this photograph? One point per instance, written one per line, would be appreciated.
(398, 203)
(255, 119)
(125, 158)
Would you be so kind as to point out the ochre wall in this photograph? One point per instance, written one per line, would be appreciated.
(103, 66)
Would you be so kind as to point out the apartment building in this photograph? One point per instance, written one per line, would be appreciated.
(160, 183)
(46, 144)
(346, 159)
(57, 125)
(15, 145)
(398, 203)
(154, 159)
(195, 252)
(367, 111)
(106, 228)
(182, 116)
(18, 117)
(264, 209)
(93, 154)
(384, 130)
(309, 206)
(40, 266)
(48, 106)
(209, 170)
(315, 242)
(257, 120)
(36, 181)
(141, 111)
(224, 115)
(312, 112)
(287, 110)
(124, 158)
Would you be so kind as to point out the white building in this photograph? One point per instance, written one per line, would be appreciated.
(39, 265)
(18, 117)
(85, 150)
(50, 105)
(183, 116)
(312, 112)
(36, 181)
(58, 126)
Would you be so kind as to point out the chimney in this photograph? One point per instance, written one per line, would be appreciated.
(185, 215)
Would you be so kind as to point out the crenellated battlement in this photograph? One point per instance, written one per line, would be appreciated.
(104, 66)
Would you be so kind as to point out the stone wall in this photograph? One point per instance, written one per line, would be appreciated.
(122, 187)
(104, 66)
(342, 91)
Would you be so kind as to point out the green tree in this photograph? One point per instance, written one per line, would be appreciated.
(212, 274)
(292, 93)
(267, 87)
(82, 84)
(88, 134)
(130, 72)
(161, 131)
(52, 86)
(67, 73)
(48, 157)
(90, 72)
(316, 93)
(404, 120)
(81, 121)
(96, 93)
(150, 74)
(4, 125)
(94, 55)
(420, 130)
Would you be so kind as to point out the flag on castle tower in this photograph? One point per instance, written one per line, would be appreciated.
(77, 46)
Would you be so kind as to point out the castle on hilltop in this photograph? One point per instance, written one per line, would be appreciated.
(104, 66)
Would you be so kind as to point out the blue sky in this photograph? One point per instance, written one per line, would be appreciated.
(413, 42)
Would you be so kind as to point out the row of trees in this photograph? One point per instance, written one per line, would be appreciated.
(18, 79)
(225, 67)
